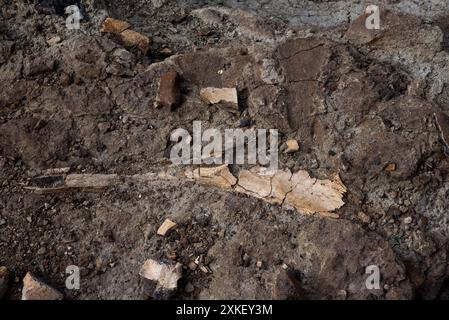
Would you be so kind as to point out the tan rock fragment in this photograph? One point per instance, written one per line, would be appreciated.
(292, 146)
(391, 167)
(216, 95)
(112, 25)
(218, 176)
(34, 289)
(132, 38)
(166, 275)
(167, 227)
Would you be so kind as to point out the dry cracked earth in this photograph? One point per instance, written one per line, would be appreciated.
(85, 176)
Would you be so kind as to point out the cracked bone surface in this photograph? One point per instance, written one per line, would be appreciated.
(297, 190)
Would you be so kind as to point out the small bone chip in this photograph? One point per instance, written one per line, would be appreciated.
(166, 275)
(166, 227)
(292, 146)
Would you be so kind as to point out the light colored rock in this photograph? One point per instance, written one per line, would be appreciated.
(34, 289)
(167, 227)
(166, 275)
(408, 220)
(216, 95)
(112, 25)
(391, 167)
(292, 146)
(132, 38)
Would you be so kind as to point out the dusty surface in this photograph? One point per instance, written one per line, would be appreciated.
(360, 104)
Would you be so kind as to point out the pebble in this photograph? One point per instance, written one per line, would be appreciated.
(408, 220)
(292, 146)
(167, 227)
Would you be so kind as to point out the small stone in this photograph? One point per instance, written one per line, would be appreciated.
(217, 95)
(167, 227)
(132, 38)
(29, 219)
(2, 222)
(259, 264)
(364, 217)
(408, 220)
(169, 95)
(34, 289)
(53, 40)
(390, 167)
(292, 146)
(112, 25)
(4, 280)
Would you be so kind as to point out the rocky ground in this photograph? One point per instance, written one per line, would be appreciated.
(368, 105)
